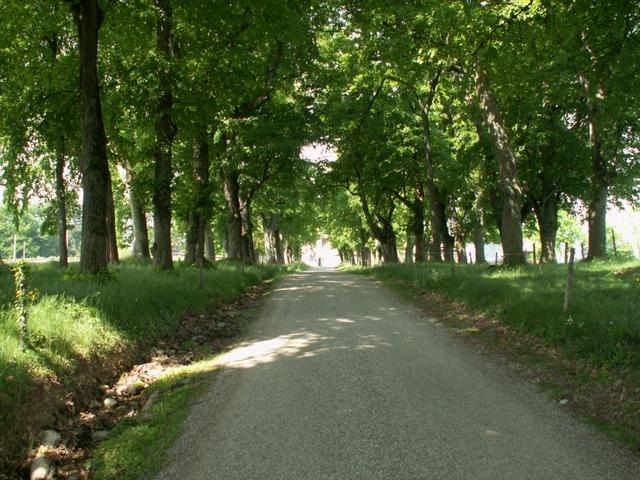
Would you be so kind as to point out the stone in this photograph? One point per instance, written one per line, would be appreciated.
(100, 435)
(50, 438)
(144, 413)
(40, 468)
(110, 402)
(564, 401)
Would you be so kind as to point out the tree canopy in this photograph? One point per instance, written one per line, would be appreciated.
(181, 124)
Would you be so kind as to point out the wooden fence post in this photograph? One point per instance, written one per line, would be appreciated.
(582, 250)
(566, 252)
(567, 290)
(534, 253)
(496, 258)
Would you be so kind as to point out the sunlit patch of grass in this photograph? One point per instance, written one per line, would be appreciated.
(603, 323)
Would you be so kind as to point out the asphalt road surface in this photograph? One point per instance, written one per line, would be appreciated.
(340, 378)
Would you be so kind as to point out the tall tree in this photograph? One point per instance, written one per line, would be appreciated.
(96, 176)
(165, 133)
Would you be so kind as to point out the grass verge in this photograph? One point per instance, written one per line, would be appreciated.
(602, 325)
(81, 328)
(136, 447)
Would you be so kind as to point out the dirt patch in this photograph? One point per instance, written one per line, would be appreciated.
(608, 398)
(80, 411)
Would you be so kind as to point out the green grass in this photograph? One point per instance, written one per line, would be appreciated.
(603, 324)
(136, 447)
(76, 318)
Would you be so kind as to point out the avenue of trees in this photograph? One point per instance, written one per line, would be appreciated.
(453, 122)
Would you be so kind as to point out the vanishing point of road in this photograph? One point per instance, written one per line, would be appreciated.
(340, 378)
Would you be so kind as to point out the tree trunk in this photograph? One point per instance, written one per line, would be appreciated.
(191, 238)
(597, 202)
(112, 238)
(61, 200)
(432, 194)
(417, 224)
(383, 232)
(547, 217)
(247, 246)
(140, 243)
(93, 157)
(511, 224)
(209, 245)
(389, 247)
(233, 227)
(462, 251)
(478, 240)
(272, 240)
(165, 133)
(448, 242)
(408, 251)
(200, 203)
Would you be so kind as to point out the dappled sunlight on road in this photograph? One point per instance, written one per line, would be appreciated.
(267, 351)
(349, 330)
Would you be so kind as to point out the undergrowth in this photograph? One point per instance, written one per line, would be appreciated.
(76, 317)
(603, 324)
(136, 447)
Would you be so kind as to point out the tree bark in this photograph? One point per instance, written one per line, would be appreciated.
(201, 154)
(418, 233)
(233, 227)
(511, 224)
(408, 251)
(93, 158)
(448, 241)
(191, 238)
(112, 239)
(432, 192)
(478, 237)
(165, 133)
(547, 216)
(140, 242)
(246, 236)
(597, 202)
(272, 239)
(209, 245)
(383, 232)
(61, 200)
(200, 203)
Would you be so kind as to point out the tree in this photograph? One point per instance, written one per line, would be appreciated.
(96, 177)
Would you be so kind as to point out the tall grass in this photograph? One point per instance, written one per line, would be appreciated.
(75, 317)
(603, 323)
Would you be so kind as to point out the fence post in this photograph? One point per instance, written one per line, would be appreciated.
(582, 250)
(567, 291)
(566, 252)
(534, 253)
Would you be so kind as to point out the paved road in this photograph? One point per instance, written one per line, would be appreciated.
(341, 379)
